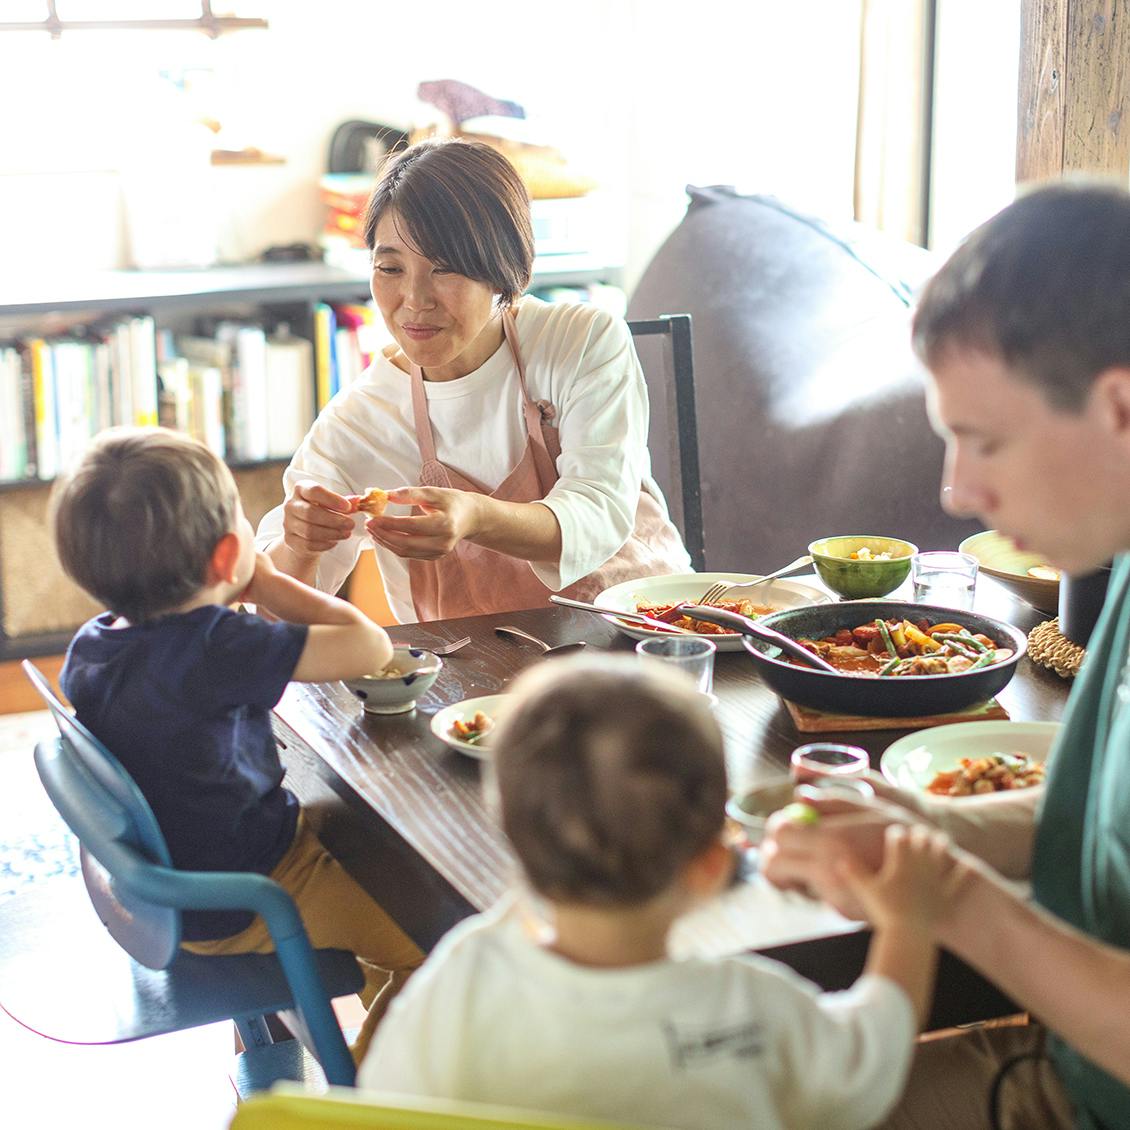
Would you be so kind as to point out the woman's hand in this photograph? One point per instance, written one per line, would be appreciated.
(315, 519)
(445, 518)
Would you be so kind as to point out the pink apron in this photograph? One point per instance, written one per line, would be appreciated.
(472, 580)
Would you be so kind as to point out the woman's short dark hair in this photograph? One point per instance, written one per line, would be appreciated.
(462, 205)
(1044, 286)
(611, 777)
(138, 517)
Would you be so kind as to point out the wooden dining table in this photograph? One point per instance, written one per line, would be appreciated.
(407, 816)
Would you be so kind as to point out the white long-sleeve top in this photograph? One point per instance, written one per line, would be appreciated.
(579, 359)
(704, 1045)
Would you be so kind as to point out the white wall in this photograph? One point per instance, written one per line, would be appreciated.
(647, 96)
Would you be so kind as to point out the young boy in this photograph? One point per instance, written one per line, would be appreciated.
(180, 687)
(612, 785)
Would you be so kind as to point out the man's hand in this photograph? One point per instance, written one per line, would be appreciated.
(445, 517)
(315, 519)
(806, 856)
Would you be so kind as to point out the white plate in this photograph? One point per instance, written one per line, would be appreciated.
(911, 762)
(443, 720)
(690, 586)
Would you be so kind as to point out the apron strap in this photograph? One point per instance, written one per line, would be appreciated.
(425, 440)
(543, 462)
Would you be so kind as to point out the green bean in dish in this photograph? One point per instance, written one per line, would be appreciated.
(897, 647)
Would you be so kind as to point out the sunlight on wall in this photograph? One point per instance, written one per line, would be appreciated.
(973, 168)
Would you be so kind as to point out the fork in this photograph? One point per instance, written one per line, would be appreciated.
(716, 591)
(445, 648)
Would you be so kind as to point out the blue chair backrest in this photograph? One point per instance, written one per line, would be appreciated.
(114, 824)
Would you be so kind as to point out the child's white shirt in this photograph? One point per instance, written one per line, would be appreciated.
(706, 1045)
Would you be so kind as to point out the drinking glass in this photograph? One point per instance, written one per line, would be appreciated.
(828, 759)
(944, 577)
(693, 656)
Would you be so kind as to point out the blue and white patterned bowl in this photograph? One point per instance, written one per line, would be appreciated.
(396, 694)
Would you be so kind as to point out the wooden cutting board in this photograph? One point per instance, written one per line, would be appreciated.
(810, 721)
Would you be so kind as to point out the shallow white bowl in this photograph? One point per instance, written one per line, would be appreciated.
(396, 694)
(442, 721)
(690, 586)
(912, 762)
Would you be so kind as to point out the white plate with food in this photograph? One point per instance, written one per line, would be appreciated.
(970, 758)
(466, 725)
(656, 595)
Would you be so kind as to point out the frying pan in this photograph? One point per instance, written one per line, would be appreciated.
(891, 697)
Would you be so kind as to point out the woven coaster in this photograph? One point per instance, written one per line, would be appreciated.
(1048, 647)
(810, 721)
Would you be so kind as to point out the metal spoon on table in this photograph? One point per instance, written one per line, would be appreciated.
(546, 649)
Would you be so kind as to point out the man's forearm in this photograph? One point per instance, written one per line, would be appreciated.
(999, 829)
(1079, 986)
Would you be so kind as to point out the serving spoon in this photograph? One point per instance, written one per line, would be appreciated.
(747, 627)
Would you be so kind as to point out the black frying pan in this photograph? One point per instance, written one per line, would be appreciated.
(903, 696)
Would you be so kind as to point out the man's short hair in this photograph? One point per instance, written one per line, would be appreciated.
(137, 519)
(1044, 286)
(611, 777)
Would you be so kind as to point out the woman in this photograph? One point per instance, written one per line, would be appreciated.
(523, 423)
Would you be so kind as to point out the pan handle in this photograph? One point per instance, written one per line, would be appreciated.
(738, 623)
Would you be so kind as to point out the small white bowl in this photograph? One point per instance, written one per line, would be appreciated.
(397, 694)
(752, 808)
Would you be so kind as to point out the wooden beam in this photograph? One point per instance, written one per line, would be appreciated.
(1074, 96)
(1043, 73)
(1096, 134)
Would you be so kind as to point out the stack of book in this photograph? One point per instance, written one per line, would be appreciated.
(346, 338)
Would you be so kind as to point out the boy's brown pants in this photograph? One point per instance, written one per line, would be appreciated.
(339, 914)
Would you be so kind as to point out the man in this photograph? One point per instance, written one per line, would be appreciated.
(1026, 333)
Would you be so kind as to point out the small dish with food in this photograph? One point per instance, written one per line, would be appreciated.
(396, 689)
(970, 758)
(1025, 575)
(467, 726)
(659, 598)
(862, 565)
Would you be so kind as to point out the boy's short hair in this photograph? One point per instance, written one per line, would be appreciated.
(1044, 286)
(462, 205)
(138, 517)
(611, 776)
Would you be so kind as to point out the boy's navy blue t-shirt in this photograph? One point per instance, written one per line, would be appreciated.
(184, 703)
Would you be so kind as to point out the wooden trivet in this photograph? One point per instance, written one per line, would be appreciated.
(1048, 647)
(810, 721)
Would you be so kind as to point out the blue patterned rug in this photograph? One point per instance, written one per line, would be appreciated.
(35, 844)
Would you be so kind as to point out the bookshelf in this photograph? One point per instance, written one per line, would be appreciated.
(39, 608)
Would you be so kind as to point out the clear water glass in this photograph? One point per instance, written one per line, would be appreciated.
(689, 654)
(820, 760)
(944, 577)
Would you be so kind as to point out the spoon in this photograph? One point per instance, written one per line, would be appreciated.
(748, 627)
(546, 649)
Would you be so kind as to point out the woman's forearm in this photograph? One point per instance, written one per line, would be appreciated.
(527, 530)
(1077, 985)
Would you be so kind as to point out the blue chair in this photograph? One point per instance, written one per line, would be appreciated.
(139, 896)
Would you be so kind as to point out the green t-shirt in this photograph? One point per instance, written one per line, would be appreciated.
(1081, 864)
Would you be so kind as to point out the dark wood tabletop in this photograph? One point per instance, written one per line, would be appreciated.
(406, 815)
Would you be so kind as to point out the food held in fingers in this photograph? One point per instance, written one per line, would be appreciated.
(373, 502)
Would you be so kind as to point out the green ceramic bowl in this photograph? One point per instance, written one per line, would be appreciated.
(857, 579)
